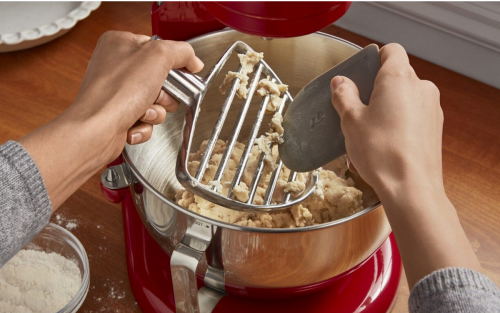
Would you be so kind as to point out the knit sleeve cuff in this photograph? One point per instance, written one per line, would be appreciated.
(23, 164)
(448, 279)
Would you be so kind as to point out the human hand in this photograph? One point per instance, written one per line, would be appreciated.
(122, 87)
(119, 101)
(395, 145)
(396, 139)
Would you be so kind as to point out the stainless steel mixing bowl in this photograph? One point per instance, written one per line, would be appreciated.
(231, 255)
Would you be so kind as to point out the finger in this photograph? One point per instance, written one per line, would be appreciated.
(154, 115)
(180, 54)
(185, 57)
(345, 95)
(139, 133)
(119, 37)
(167, 101)
(142, 39)
(394, 54)
(350, 166)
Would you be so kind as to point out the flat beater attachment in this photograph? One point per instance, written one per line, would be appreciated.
(190, 90)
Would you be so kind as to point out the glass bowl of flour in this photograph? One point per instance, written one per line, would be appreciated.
(50, 274)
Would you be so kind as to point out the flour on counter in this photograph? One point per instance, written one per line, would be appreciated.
(69, 224)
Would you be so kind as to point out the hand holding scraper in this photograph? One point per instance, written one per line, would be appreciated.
(313, 136)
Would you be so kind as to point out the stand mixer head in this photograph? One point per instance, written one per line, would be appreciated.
(261, 18)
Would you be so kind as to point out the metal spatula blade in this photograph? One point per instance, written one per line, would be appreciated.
(313, 136)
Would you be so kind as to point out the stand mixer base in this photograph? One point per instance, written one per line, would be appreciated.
(371, 288)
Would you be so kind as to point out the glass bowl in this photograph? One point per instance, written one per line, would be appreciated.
(54, 238)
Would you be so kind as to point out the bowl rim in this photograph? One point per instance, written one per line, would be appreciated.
(211, 221)
(77, 300)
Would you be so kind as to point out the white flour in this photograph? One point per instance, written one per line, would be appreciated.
(71, 225)
(37, 282)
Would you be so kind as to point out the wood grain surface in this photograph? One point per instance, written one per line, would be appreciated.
(38, 84)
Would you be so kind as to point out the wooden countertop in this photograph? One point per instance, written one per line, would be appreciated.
(38, 84)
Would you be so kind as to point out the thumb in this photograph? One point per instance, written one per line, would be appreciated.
(345, 95)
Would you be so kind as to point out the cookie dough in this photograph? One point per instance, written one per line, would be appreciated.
(216, 184)
(240, 192)
(276, 122)
(264, 143)
(247, 62)
(335, 195)
(295, 188)
(267, 87)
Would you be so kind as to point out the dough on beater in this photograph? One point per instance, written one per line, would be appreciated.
(226, 83)
(265, 143)
(267, 87)
(216, 184)
(277, 135)
(247, 62)
(276, 122)
(240, 192)
(275, 138)
(335, 196)
(295, 187)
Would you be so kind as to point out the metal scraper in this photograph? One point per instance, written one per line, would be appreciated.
(313, 136)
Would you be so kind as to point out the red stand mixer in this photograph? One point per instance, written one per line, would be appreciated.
(348, 265)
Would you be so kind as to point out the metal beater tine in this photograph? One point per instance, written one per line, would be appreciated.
(237, 126)
(268, 71)
(256, 178)
(276, 173)
(217, 128)
(238, 46)
(272, 183)
(291, 178)
(249, 145)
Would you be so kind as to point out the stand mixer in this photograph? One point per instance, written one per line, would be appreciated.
(179, 261)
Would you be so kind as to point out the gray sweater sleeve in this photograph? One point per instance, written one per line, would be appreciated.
(455, 290)
(25, 207)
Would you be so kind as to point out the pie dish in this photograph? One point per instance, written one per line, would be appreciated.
(28, 24)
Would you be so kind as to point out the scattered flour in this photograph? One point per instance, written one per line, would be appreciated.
(37, 282)
(109, 297)
(71, 225)
(115, 294)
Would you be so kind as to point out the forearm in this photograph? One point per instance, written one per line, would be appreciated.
(427, 229)
(24, 205)
(67, 151)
